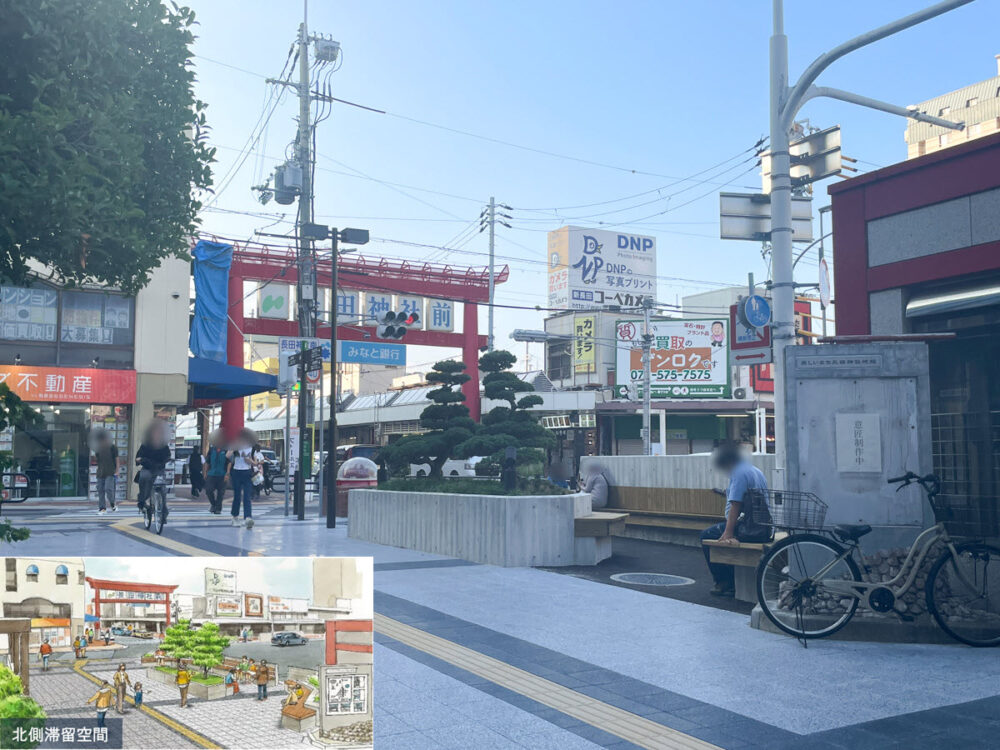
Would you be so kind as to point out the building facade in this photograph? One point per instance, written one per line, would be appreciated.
(918, 252)
(90, 357)
(51, 592)
(978, 106)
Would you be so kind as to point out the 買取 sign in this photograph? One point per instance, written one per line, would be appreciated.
(689, 358)
(595, 268)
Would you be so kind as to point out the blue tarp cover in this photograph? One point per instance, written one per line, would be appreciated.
(216, 381)
(211, 306)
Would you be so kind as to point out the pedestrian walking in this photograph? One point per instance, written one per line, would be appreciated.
(216, 470)
(196, 470)
(45, 651)
(103, 699)
(240, 474)
(107, 637)
(257, 470)
(108, 462)
(122, 682)
(183, 680)
(262, 676)
(137, 692)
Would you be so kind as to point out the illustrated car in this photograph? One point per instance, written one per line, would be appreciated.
(288, 639)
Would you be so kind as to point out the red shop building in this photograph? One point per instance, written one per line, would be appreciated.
(917, 250)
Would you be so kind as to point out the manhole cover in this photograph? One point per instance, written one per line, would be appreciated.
(651, 579)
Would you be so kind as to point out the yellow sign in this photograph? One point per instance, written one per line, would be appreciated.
(584, 345)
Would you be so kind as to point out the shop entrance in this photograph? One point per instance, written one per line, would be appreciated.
(54, 455)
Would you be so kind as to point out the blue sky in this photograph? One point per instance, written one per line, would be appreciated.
(665, 88)
(286, 576)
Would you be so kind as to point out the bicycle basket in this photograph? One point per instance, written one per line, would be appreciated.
(784, 509)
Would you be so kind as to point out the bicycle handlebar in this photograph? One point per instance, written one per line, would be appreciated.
(908, 476)
(930, 482)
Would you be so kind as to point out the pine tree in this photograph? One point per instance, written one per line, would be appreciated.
(446, 420)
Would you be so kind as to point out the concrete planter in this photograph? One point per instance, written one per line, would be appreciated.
(511, 531)
(195, 689)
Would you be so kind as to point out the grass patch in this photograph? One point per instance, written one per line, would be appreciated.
(468, 486)
(212, 679)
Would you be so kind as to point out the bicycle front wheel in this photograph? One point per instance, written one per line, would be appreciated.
(147, 513)
(793, 590)
(158, 513)
(963, 593)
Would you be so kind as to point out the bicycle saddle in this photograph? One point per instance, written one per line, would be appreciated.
(851, 532)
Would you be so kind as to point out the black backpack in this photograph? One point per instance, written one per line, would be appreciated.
(754, 524)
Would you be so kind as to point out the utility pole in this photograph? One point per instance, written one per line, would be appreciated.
(785, 102)
(306, 286)
(488, 220)
(331, 461)
(647, 375)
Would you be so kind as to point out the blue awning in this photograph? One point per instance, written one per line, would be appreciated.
(91, 618)
(215, 381)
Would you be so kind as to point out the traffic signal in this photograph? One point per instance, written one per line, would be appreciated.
(393, 325)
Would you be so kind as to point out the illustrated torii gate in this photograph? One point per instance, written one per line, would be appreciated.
(263, 263)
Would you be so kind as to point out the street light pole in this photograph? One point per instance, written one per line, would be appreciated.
(785, 101)
(492, 220)
(647, 376)
(331, 460)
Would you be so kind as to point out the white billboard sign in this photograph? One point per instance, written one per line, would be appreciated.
(376, 303)
(287, 605)
(439, 315)
(689, 358)
(273, 301)
(220, 581)
(595, 268)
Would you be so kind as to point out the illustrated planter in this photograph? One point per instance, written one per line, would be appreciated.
(195, 689)
(507, 530)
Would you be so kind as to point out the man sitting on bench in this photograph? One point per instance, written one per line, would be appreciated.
(743, 476)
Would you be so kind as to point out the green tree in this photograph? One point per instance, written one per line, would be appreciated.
(13, 413)
(104, 148)
(446, 420)
(178, 640)
(14, 704)
(513, 425)
(207, 646)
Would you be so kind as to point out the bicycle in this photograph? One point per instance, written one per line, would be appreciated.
(810, 584)
(154, 510)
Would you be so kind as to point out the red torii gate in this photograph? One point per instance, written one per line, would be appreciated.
(264, 263)
(163, 592)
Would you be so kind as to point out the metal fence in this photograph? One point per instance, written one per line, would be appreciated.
(966, 452)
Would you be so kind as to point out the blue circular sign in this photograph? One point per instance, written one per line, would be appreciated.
(757, 311)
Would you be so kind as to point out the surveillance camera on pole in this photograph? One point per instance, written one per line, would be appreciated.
(392, 326)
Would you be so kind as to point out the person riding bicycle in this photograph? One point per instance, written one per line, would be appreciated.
(743, 477)
(151, 458)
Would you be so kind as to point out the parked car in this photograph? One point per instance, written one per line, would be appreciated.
(453, 467)
(288, 638)
(118, 631)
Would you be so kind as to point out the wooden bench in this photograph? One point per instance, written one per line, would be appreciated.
(744, 557)
(296, 714)
(593, 534)
(677, 516)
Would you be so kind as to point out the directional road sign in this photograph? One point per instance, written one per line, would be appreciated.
(748, 345)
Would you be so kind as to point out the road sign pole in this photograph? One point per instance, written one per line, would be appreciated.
(304, 458)
(288, 441)
(647, 376)
(331, 481)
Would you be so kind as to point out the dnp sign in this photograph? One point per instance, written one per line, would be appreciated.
(594, 268)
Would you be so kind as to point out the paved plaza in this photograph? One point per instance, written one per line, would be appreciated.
(478, 656)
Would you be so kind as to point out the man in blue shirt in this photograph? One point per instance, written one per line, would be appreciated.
(743, 477)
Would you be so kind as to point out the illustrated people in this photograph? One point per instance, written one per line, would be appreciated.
(151, 458)
(743, 477)
(76, 646)
(137, 692)
(244, 668)
(718, 334)
(216, 470)
(122, 682)
(103, 698)
(262, 676)
(196, 470)
(83, 647)
(240, 476)
(45, 651)
(107, 636)
(597, 485)
(106, 455)
(183, 680)
(233, 681)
